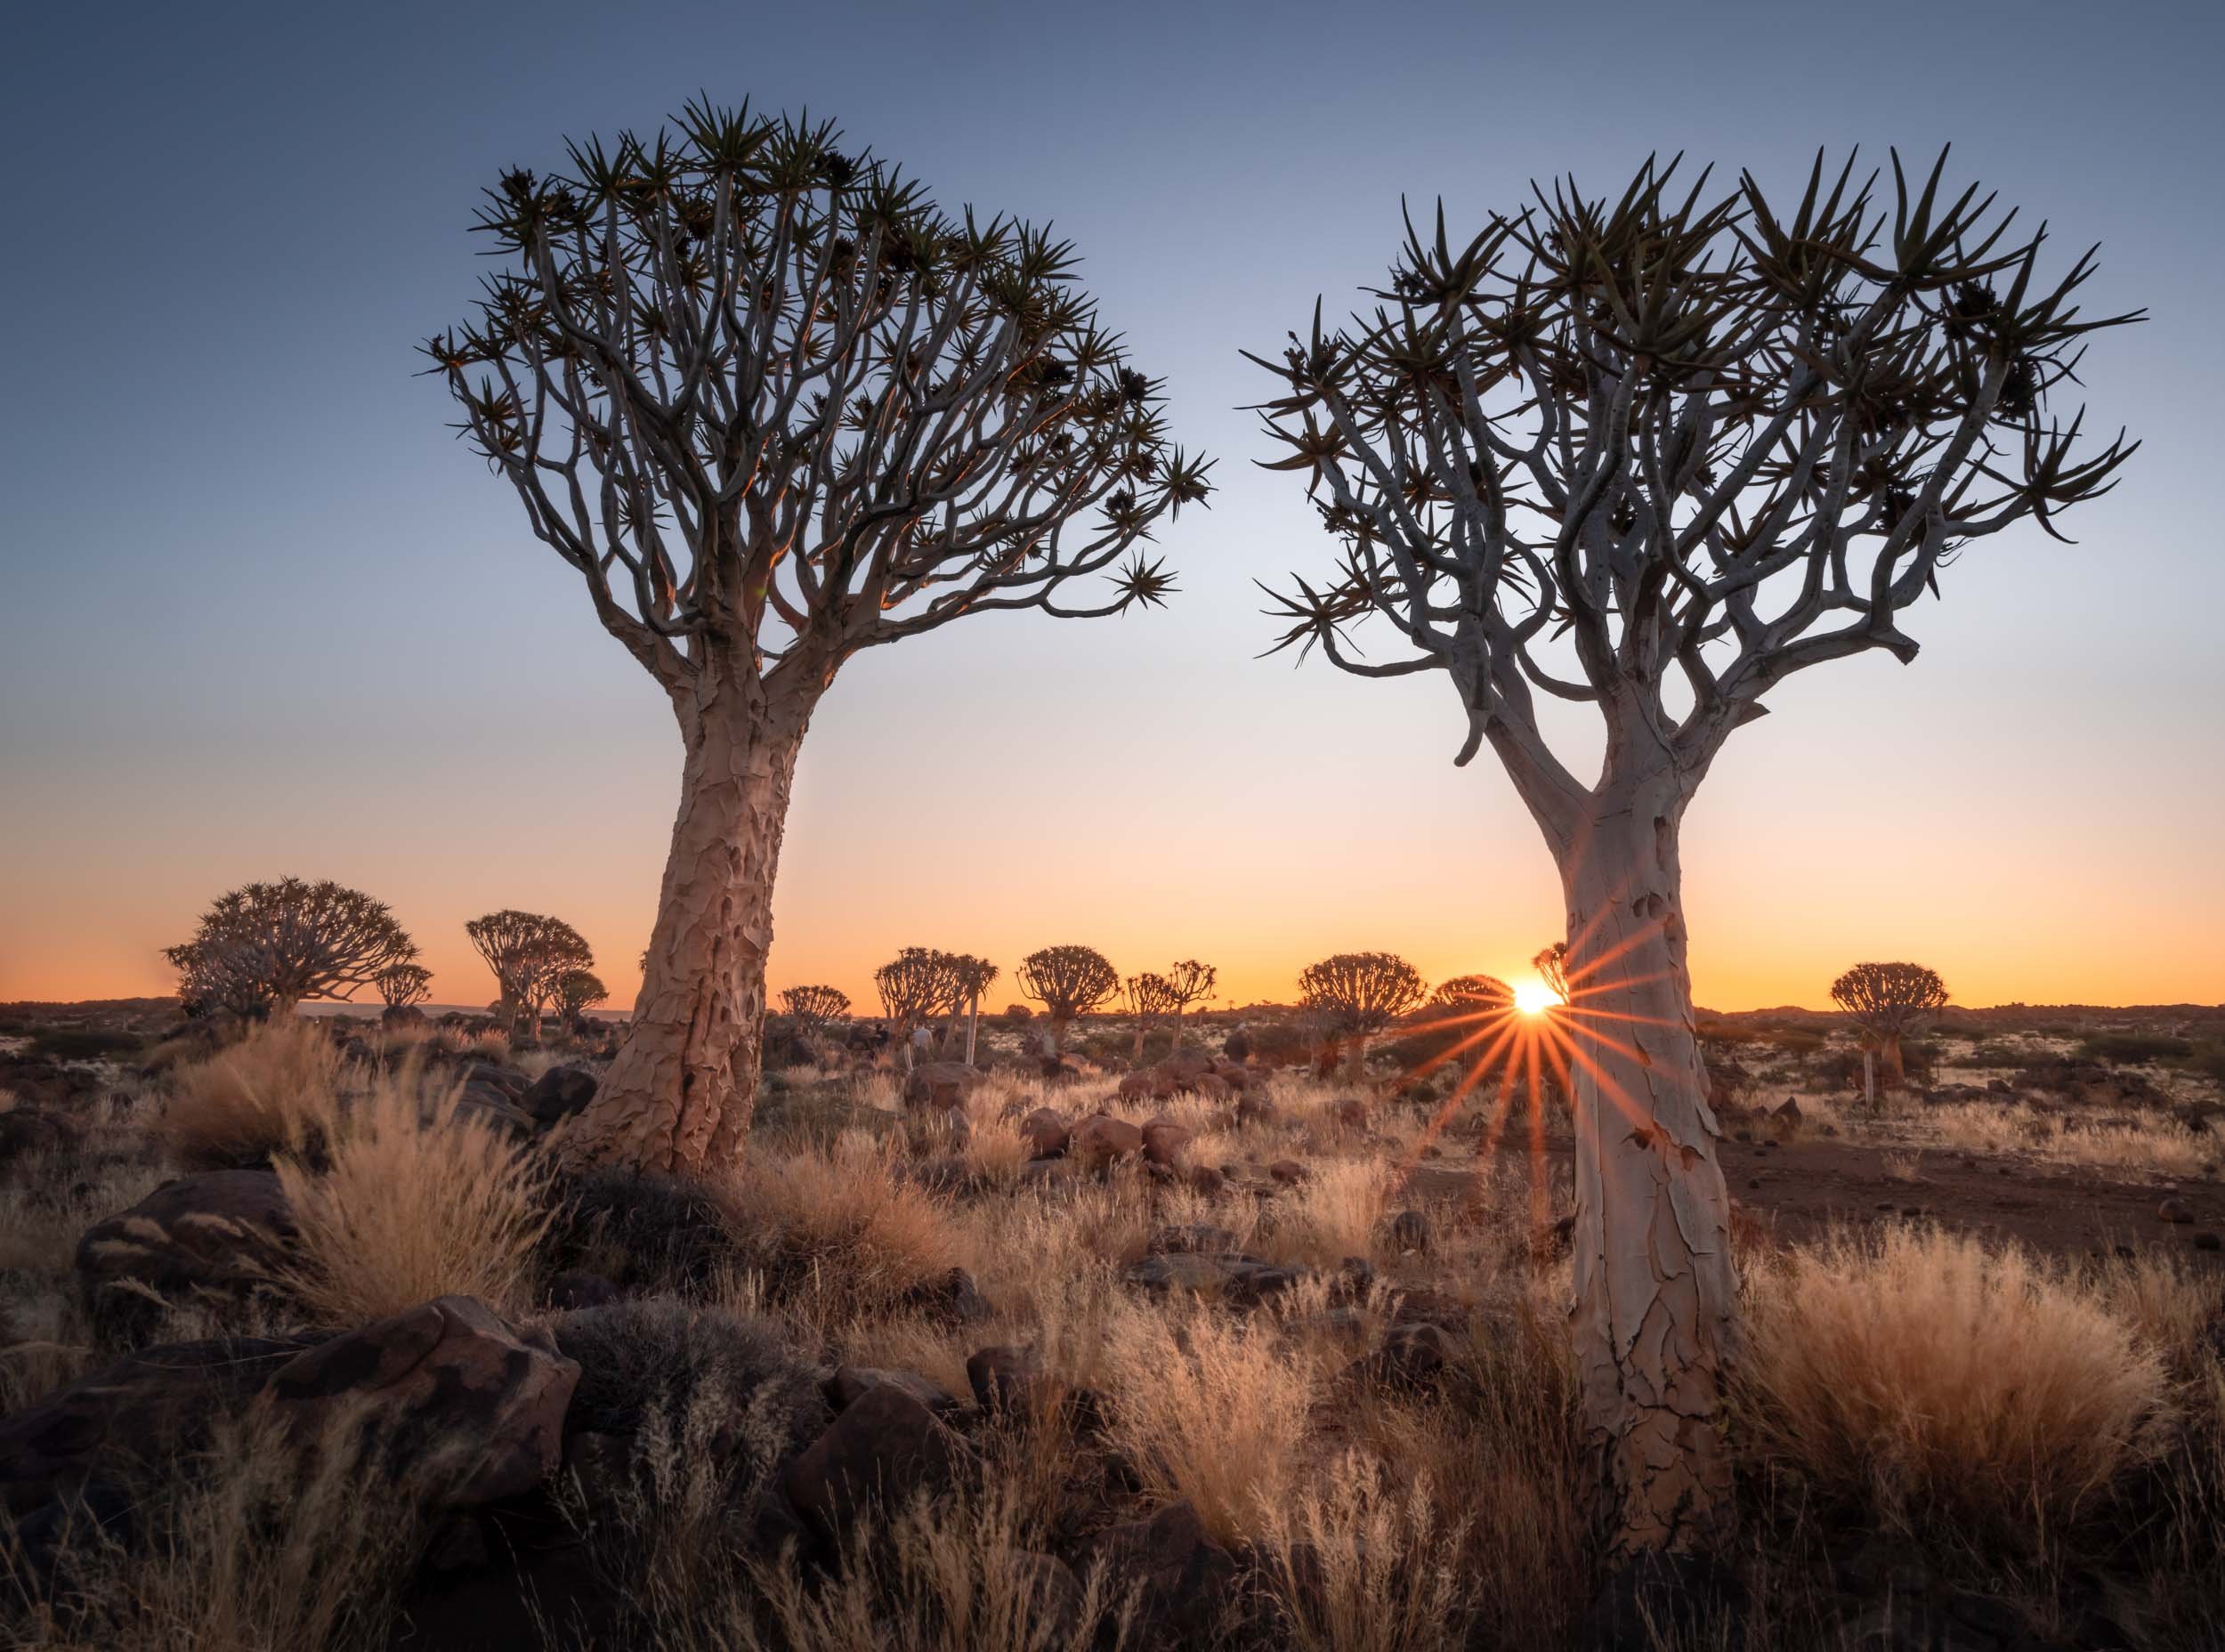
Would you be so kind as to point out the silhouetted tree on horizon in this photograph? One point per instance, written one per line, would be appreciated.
(266, 947)
(1887, 1002)
(528, 953)
(1068, 982)
(1355, 995)
(773, 408)
(1654, 454)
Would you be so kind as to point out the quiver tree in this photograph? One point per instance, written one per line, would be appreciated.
(265, 947)
(1149, 997)
(1188, 981)
(402, 986)
(1886, 1001)
(812, 1007)
(1355, 995)
(1655, 455)
(528, 954)
(914, 985)
(772, 408)
(574, 991)
(1470, 995)
(1552, 964)
(970, 977)
(1067, 980)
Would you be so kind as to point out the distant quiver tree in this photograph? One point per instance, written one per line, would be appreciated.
(772, 407)
(1886, 1001)
(266, 947)
(1067, 980)
(1355, 995)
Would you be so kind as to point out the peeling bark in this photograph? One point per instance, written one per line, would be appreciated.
(681, 1092)
(1656, 1295)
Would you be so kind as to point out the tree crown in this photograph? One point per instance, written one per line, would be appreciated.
(575, 989)
(815, 1005)
(915, 984)
(283, 943)
(400, 986)
(1190, 980)
(1360, 992)
(1149, 996)
(1069, 981)
(762, 394)
(529, 952)
(1888, 998)
(1658, 453)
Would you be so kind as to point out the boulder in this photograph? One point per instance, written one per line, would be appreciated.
(26, 1132)
(1289, 1172)
(1008, 1378)
(1195, 1239)
(494, 1108)
(940, 1086)
(1413, 1359)
(852, 1383)
(1165, 1142)
(1410, 1232)
(1045, 1133)
(1139, 1086)
(1055, 1604)
(2173, 1210)
(215, 1234)
(509, 1082)
(1101, 1138)
(559, 1093)
(1184, 1584)
(1255, 1109)
(447, 1390)
(1350, 1113)
(884, 1449)
(151, 1408)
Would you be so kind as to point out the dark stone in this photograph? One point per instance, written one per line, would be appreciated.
(577, 1288)
(1184, 1585)
(1008, 1378)
(1410, 1232)
(852, 1383)
(883, 1450)
(559, 1093)
(447, 1388)
(216, 1234)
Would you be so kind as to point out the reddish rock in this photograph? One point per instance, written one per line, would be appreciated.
(1101, 1138)
(1045, 1133)
(446, 1388)
(884, 1449)
(1290, 1172)
(939, 1086)
(1165, 1142)
(852, 1383)
(1182, 1582)
(215, 1234)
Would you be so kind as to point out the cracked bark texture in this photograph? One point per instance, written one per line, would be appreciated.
(681, 1091)
(1655, 1292)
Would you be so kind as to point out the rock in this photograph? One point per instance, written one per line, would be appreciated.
(508, 1082)
(2173, 1210)
(939, 1086)
(852, 1383)
(1165, 1142)
(1350, 1114)
(1207, 1180)
(1410, 1232)
(952, 1300)
(1184, 1584)
(1008, 1378)
(1354, 1278)
(396, 1017)
(26, 1132)
(1253, 1283)
(1413, 1359)
(1180, 1270)
(215, 1234)
(2207, 1241)
(1211, 1086)
(446, 1388)
(883, 1450)
(1289, 1172)
(558, 1094)
(1237, 1046)
(151, 1408)
(1045, 1133)
(1101, 1138)
(1255, 1109)
(1237, 1078)
(1195, 1239)
(1789, 1113)
(1139, 1086)
(577, 1288)
(1054, 1603)
(1047, 1172)
(482, 1101)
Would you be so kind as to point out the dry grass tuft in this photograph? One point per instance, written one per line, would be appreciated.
(277, 1091)
(1210, 1409)
(417, 1202)
(1959, 1393)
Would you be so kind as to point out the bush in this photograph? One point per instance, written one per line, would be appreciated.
(86, 1044)
(642, 1232)
(418, 1202)
(276, 1092)
(2125, 1050)
(1964, 1396)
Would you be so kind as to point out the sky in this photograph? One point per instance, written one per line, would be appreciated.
(261, 614)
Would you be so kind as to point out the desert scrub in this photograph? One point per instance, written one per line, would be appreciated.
(413, 1200)
(1964, 1394)
(277, 1091)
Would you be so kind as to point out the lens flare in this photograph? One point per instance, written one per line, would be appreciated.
(1534, 998)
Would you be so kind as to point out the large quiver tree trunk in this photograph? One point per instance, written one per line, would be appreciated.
(1656, 1295)
(679, 1096)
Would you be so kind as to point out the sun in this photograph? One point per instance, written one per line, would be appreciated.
(1534, 998)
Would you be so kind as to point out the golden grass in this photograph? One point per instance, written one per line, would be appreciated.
(417, 1201)
(266, 1095)
(1210, 1409)
(1334, 1214)
(2127, 1139)
(1960, 1393)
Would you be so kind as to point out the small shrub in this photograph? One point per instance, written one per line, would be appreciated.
(275, 1091)
(837, 1233)
(418, 1202)
(86, 1044)
(1959, 1394)
(2127, 1049)
(642, 1232)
